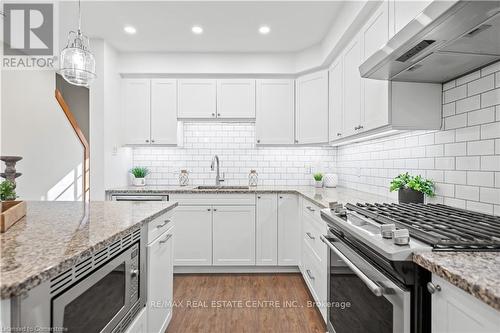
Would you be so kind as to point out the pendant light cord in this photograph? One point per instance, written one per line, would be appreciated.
(79, 17)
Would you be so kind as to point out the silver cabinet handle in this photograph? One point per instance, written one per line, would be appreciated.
(310, 236)
(339, 134)
(258, 141)
(311, 209)
(296, 141)
(147, 140)
(258, 197)
(134, 272)
(208, 209)
(215, 209)
(375, 288)
(218, 114)
(309, 274)
(164, 240)
(152, 141)
(432, 288)
(360, 126)
(159, 226)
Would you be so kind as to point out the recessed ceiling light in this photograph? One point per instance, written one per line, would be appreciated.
(129, 29)
(264, 30)
(196, 29)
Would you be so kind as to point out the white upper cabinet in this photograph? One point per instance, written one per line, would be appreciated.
(351, 60)
(375, 35)
(402, 12)
(335, 108)
(163, 111)
(275, 117)
(197, 98)
(236, 98)
(312, 108)
(136, 106)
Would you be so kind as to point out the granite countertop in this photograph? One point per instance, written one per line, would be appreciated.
(319, 196)
(53, 236)
(477, 273)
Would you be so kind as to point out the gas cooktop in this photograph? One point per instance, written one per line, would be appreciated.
(442, 227)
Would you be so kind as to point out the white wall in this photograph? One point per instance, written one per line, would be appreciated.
(108, 161)
(463, 158)
(34, 126)
(234, 143)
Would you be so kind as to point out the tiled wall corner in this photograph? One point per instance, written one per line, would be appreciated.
(234, 143)
(463, 158)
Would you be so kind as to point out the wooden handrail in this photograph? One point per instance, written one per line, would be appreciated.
(83, 140)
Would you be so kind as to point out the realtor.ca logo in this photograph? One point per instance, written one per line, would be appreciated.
(28, 35)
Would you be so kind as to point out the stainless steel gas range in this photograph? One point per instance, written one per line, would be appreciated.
(373, 284)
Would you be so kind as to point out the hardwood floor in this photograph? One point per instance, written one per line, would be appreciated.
(229, 303)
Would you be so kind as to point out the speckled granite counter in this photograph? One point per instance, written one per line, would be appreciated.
(319, 196)
(55, 235)
(477, 273)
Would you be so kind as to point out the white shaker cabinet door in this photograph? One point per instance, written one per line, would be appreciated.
(160, 282)
(234, 235)
(335, 106)
(193, 236)
(236, 98)
(374, 35)
(197, 98)
(136, 106)
(352, 88)
(455, 311)
(312, 108)
(164, 111)
(288, 230)
(266, 229)
(275, 118)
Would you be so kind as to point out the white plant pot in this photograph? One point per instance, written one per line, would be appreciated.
(330, 180)
(139, 181)
(318, 183)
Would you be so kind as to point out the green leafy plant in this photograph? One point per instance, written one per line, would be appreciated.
(318, 176)
(139, 172)
(416, 183)
(7, 191)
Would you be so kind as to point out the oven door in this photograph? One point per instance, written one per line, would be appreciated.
(360, 297)
(98, 302)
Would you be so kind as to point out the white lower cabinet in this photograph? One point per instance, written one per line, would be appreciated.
(139, 325)
(266, 230)
(233, 235)
(160, 282)
(455, 311)
(288, 230)
(193, 246)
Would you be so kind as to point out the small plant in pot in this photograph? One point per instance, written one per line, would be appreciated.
(7, 190)
(411, 189)
(318, 179)
(139, 175)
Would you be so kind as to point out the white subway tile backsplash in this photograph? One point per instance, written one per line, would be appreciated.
(490, 163)
(434, 150)
(467, 134)
(479, 86)
(454, 94)
(468, 104)
(455, 149)
(490, 98)
(444, 136)
(481, 116)
(455, 177)
(455, 121)
(459, 203)
(468, 163)
(491, 130)
(490, 69)
(490, 195)
(468, 78)
(445, 163)
(467, 192)
(479, 207)
(483, 147)
(449, 109)
(449, 85)
(480, 178)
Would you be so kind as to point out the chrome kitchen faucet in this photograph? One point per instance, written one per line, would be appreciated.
(218, 179)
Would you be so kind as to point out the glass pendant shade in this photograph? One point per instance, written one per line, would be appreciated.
(77, 63)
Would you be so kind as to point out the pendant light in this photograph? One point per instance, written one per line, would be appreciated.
(76, 62)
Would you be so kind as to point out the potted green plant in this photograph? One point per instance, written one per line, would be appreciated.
(7, 191)
(318, 179)
(411, 189)
(139, 175)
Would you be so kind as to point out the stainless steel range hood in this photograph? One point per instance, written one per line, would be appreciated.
(448, 39)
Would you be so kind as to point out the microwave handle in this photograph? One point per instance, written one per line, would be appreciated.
(375, 289)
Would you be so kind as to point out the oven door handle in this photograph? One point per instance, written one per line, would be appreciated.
(375, 288)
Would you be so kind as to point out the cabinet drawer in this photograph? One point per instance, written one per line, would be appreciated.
(313, 210)
(312, 230)
(315, 275)
(214, 199)
(159, 225)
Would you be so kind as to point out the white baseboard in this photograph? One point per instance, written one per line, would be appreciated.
(234, 269)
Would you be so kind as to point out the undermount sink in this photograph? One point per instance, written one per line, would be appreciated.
(221, 187)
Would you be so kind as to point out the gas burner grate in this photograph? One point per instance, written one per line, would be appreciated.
(443, 227)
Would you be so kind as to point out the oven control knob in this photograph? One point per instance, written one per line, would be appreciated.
(387, 229)
(432, 288)
(401, 236)
(134, 272)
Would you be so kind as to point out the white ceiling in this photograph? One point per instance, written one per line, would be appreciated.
(164, 26)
